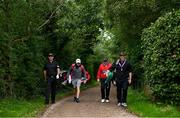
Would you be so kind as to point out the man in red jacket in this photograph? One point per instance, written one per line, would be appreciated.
(102, 76)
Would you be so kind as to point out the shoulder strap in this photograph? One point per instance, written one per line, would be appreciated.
(117, 62)
(72, 67)
(82, 68)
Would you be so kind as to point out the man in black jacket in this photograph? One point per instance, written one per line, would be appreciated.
(51, 73)
(123, 76)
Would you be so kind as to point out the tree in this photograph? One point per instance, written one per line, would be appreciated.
(78, 27)
(22, 46)
(127, 19)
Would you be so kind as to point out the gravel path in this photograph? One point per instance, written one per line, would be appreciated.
(89, 106)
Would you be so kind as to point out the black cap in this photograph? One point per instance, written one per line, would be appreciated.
(122, 54)
(105, 59)
(50, 54)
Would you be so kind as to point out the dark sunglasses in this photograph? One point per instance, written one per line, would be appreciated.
(50, 56)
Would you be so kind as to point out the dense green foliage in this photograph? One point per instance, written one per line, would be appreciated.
(161, 42)
(126, 19)
(78, 26)
(21, 47)
(30, 29)
(90, 30)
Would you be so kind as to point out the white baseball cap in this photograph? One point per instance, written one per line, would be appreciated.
(78, 60)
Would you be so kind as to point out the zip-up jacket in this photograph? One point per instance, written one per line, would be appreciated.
(77, 72)
(101, 74)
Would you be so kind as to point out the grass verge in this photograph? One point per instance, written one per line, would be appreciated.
(143, 107)
(20, 108)
(32, 108)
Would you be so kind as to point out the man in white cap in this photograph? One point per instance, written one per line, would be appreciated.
(76, 75)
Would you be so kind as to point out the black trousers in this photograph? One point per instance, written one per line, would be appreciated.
(50, 90)
(122, 88)
(105, 89)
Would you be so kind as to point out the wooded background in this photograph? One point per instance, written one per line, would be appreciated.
(148, 30)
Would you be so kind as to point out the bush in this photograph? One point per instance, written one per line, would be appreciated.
(160, 44)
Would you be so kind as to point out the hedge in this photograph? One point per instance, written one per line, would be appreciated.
(160, 44)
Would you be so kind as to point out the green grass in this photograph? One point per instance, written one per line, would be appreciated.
(32, 108)
(18, 108)
(137, 104)
(143, 107)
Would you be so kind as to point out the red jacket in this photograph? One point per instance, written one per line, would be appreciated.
(102, 71)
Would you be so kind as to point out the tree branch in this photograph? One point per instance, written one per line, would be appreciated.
(48, 20)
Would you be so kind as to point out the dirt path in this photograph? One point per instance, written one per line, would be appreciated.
(89, 106)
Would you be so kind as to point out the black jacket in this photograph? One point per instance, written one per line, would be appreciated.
(121, 72)
(51, 68)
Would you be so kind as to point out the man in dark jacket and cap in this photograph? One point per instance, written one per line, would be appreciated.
(123, 76)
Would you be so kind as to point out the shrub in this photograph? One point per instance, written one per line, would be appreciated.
(160, 44)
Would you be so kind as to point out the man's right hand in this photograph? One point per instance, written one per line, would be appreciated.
(114, 82)
(69, 79)
(57, 76)
(98, 80)
(84, 81)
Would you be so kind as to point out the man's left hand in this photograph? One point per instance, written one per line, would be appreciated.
(129, 81)
(57, 76)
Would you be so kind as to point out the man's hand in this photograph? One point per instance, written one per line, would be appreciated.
(130, 78)
(107, 73)
(114, 82)
(84, 81)
(57, 76)
(98, 80)
(129, 81)
(45, 78)
(69, 79)
(60, 75)
(64, 83)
